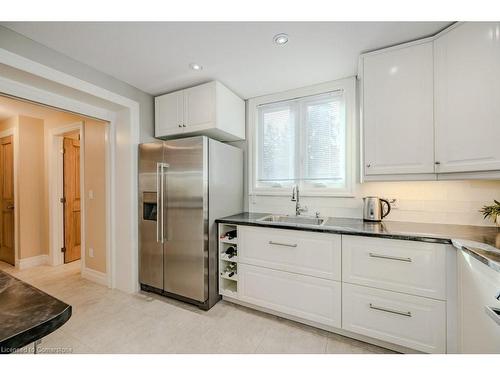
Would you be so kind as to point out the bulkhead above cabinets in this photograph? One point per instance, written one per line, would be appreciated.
(210, 109)
(430, 107)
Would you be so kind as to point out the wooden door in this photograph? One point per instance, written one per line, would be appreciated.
(7, 241)
(72, 214)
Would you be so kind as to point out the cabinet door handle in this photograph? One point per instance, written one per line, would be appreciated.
(401, 259)
(392, 311)
(282, 244)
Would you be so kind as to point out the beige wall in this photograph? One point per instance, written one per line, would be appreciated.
(95, 181)
(30, 184)
(8, 123)
(30, 187)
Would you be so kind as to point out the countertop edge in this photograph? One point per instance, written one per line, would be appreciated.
(33, 334)
(406, 237)
(483, 259)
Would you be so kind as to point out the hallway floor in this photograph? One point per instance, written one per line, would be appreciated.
(109, 321)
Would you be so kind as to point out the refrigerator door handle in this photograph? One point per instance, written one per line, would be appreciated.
(163, 166)
(158, 206)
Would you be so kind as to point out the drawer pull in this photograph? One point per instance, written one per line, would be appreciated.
(404, 313)
(401, 259)
(282, 244)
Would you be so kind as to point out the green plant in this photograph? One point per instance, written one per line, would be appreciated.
(491, 211)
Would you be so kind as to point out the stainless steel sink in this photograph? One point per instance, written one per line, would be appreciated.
(284, 219)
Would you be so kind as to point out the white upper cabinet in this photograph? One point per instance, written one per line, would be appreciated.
(209, 109)
(199, 106)
(467, 84)
(430, 108)
(398, 110)
(169, 108)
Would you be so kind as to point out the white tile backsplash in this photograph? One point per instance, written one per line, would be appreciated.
(449, 202)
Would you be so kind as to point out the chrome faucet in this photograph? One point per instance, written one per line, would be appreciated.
(296, 199)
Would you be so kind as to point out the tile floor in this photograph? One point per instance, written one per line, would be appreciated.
(109, 321)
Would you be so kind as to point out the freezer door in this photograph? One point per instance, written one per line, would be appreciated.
(150, 244)
(186, 218)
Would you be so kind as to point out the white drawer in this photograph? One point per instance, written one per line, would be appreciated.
(311, 298)
(412, 267)
(307, 253)
(414, 322)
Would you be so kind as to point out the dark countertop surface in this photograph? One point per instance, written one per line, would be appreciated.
(27, 314)
(475, 240)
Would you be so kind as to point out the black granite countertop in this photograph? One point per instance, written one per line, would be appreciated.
(27, 314)
(475, 239)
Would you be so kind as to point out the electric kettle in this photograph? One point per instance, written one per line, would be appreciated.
(373, 208)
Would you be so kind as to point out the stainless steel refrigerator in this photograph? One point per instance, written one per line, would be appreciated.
(184, 185)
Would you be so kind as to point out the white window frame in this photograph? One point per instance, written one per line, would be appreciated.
(348, 86)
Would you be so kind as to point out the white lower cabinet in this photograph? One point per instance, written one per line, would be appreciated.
(402, 266)
(307, 253)
(479, 306)
(394, 291)
(306, 297)
(414, 322)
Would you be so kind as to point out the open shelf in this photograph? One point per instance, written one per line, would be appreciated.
(228, 285)
(233, 278)
(226, 258)
(233, 241)
(228, 288)
(223, 229)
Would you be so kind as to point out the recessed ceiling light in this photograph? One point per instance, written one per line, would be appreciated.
(280, 39)
(195, 66)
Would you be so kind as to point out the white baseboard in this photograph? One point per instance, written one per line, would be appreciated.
(95, 276)
(38, 260)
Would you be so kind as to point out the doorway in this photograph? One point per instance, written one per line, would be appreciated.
(71, 198)
(71, 93)
(7, 237)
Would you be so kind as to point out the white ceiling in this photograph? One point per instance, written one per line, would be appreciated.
(154, 56)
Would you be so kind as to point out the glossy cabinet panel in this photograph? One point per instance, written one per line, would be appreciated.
(402, 266)
(169, 115)
(317, 300)
(209, 109)
(479, 293)
(414, 322)
(312, 254)
(398, 127)
(467, 84)
(199, 106)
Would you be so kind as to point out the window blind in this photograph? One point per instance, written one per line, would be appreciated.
(302, 141)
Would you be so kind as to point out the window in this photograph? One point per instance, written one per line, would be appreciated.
(303, 141)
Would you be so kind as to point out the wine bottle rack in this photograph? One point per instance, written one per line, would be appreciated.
(228, 285)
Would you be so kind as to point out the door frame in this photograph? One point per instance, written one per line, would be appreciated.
(64, 91)
(14, 133)
(56, 191)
